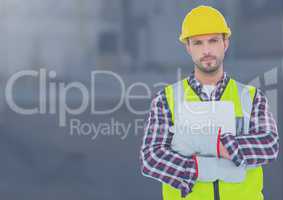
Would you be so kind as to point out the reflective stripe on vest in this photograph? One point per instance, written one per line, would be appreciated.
(242, 97)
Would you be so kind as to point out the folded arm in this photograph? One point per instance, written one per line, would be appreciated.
(158, 160)
(261, 145)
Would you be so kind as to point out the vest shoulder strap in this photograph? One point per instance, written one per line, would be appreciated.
(246, 95)
(175, 96)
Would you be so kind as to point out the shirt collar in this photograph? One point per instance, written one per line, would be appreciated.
(197, 86)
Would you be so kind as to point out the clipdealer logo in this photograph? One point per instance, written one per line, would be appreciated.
(53, 100)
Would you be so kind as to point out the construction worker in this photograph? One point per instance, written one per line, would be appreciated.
(233, 168)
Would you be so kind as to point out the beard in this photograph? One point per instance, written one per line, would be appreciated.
(209, 64)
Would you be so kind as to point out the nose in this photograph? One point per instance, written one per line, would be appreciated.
(206, 49)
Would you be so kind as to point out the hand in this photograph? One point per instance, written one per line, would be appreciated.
(223, 152)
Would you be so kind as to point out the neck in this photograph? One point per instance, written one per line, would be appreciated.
(208, 78)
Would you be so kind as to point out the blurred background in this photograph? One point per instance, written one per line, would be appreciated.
(136, 40)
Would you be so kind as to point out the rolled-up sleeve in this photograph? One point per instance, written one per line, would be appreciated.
(261, 145)
(158, 160)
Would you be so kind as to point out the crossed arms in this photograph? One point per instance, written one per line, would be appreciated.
(159, 161)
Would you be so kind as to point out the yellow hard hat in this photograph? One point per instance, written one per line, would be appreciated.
(203, 20)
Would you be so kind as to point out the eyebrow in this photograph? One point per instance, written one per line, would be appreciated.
(213, 38)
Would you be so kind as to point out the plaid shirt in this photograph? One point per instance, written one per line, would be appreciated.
(260, 146)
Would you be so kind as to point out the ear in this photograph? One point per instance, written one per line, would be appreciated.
(226, 44)
(188, 47)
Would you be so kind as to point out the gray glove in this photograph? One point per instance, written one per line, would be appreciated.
(188, 142)
(211, 169)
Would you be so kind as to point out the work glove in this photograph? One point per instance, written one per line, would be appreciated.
(211, 169)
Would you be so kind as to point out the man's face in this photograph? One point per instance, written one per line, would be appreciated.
(207, 51)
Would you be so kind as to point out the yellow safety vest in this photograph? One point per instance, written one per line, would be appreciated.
(251, 187)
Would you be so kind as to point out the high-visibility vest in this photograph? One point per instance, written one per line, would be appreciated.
(251, 188)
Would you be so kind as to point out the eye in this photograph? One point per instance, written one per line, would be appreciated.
(214, 40)
(197, 42)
